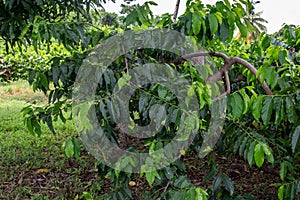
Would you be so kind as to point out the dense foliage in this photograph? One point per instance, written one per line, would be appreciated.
(263, 129)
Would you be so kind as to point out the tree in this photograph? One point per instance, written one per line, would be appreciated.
(35, 22)
(254, 19)
(263, 100)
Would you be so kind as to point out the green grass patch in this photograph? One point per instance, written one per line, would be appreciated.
(36, 167)
(20, 90)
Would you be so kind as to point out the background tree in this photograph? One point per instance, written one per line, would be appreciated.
(255, 19)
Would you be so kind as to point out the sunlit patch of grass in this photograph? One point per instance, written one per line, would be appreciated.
(20, 90)
(35, 167)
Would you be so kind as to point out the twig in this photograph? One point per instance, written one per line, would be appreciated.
(125, 59)
(165, 189)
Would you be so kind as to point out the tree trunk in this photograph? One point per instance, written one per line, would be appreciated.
(176, 11)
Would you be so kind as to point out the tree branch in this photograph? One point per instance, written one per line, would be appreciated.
(228, 62)
(254, 71)
(176, 11)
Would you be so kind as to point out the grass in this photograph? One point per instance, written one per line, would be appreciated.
(36, 167)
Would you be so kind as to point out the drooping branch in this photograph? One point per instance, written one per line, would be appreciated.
(254, 71)
(176, 11)
(228, 62)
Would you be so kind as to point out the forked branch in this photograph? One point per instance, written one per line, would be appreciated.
(228, 62)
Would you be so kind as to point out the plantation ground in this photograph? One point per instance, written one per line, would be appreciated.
(36, 167)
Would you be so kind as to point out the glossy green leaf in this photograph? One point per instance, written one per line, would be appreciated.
(279, 110)
(257, 107)
(86, 196)
(182, 182)
(131, 18)
(76, 147)
(267, 109)
(268, 153)
(224, 31)
(265, 43)
(242, 28)
(69, 148)
(246, 100)
(168, 173)
(290, 110)
(196, 23)
(150, 176)
(259, 154)
(237, 105)
(281, 192)
(295, 138)
(243, 145)
(191, 194)
(283, 170)
(217, 183)
(228, 184)
(201, 194)
(162, 92)
(213, 23)
(251, 153)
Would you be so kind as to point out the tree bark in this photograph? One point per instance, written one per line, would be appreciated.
(176, 11)
(228, 62)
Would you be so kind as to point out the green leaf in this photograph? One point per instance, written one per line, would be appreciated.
(217, 183)
(44, 80)
(152, 3)
(251, 153)
(283, 56)
(86, 196)
(168, 173)
(228, 184)
(29, 126)
(265, 42)
(224, 31)
(131, 18)
(196, 22)
(69, 148)
(123, 81)
(162, 92)
(182, 182)
(268, 153)
(283, 170)
(267, 110)
(24, 31)
(142, 16)
(243, 145)
(242, 28)
(246, 100)
(281, 192)
(257, 107)
(295, 138)
(259, 155)
(191, 194)
(237, 105)
(213, 23)
(150, 176)
(279, 110)
(201, 194)
(48, 120)
(290, 110)
(76, 147)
